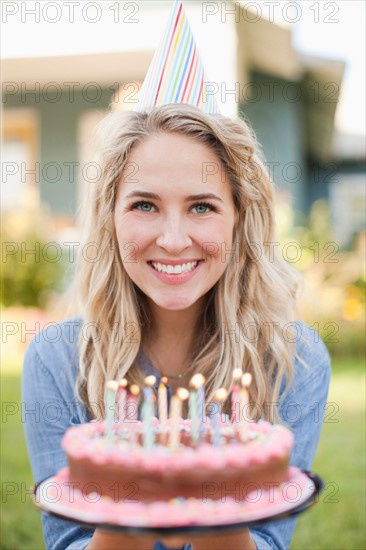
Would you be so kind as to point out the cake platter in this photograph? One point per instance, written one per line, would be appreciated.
(57, 496)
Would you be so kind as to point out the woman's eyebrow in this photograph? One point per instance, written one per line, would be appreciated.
(154, 196)
(203, 196)
(143, 194)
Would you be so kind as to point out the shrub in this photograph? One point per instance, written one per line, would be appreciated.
(28, 274)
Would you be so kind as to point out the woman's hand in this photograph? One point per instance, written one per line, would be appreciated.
(240, 540)
(106, 540)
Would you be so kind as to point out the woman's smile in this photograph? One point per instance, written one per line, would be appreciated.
(175, 274)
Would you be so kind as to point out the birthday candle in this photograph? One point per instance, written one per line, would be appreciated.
(196, 404)
(244, 402)
(199, 381)
(147, 413)
(132, 403)
(111, 388)
(193, 415)
(235, 398)
(163, 407)
(121, 400)
(132, 412)
(175, 416)
(148, 433)
(219, 398)
(148, 391)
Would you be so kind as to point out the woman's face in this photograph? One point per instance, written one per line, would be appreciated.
(174, 219)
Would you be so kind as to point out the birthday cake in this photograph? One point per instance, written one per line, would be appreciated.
(109, 466)
(154, 469)
(168, 457)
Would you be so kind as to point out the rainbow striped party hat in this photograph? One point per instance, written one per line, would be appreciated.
(176, 73)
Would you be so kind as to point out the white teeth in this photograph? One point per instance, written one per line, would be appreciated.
(176, 269)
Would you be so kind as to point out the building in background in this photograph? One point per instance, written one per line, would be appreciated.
(54, 95)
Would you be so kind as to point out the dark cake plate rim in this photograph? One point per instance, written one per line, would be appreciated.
(54, 509)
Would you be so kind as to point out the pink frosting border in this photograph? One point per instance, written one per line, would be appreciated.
(266, 442)
(58, 495)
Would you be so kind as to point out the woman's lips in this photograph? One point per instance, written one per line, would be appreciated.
(176, 278)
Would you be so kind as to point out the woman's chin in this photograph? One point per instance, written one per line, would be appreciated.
(173, 304)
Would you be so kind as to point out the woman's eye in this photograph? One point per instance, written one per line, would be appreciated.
(204, 208)
(201, 208)
(143, 206)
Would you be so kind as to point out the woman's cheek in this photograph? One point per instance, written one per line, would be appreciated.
(213, 237)
(133, 232)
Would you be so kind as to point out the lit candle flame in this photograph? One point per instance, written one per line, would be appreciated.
(221, 395)
(246, 379)
(197, 381)
(182, 393)
(237, 374)
(134, 389)
(123, 383)
(164, 380)
(150, 380)
(112, 385)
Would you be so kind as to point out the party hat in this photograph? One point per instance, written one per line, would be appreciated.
(176, 73)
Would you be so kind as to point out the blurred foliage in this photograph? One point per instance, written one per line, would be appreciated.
(32, 266)
(332, 299)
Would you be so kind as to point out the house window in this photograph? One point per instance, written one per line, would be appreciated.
(348, 207)
(19, 151)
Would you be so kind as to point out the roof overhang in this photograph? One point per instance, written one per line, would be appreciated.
(268, 48)
(100, 68)
(321, 83)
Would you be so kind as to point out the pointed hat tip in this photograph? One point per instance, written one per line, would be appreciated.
(176, 73)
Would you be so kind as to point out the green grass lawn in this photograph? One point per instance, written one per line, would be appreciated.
(336, 522)
(20, 520)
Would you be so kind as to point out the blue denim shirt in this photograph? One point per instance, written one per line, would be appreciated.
(48, 395)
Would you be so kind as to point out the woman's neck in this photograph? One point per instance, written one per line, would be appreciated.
(170, 337)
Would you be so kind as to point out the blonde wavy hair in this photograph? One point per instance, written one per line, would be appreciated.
(248, 309)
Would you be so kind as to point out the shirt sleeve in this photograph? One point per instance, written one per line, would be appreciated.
(49, 409)
(302, 410)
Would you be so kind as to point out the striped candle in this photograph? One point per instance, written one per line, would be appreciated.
(132, 412)
(175, 417)
(244, 402)
(176, 74)
(196, 405)
(147, 413)
(201, 411)
(132, 403)
(163, 407)
(235, 398)
(121, 400)
(219, 398)
(111, 389)
(193, 415)
(148, 435)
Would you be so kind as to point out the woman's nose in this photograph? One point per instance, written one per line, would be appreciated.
(174, 235)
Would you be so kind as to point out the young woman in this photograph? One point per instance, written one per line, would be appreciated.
(185, 280)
